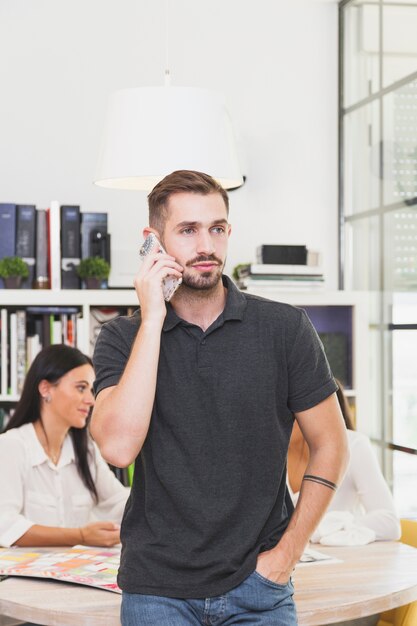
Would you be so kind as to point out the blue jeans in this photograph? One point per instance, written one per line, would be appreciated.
(255, 601)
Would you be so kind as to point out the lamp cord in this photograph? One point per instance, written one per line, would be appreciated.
(167, 76)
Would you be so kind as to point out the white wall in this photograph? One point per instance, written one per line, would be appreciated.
(275, 61)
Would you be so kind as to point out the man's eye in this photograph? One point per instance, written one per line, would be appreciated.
(219, 229)
(187, 231)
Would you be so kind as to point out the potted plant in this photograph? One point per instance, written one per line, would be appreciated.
(13, 270)
(93, 271)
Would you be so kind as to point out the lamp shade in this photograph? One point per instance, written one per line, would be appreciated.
(153, 131)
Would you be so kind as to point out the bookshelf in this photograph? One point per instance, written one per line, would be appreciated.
(340, 312)
(84, 300)
(341, 318)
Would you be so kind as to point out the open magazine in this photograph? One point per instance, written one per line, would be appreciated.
(96, 567)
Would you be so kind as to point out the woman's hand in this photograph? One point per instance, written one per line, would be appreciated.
(100, 534)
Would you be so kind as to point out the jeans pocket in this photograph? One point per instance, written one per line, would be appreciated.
(270, 583)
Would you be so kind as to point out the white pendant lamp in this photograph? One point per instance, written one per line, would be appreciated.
(152, 131)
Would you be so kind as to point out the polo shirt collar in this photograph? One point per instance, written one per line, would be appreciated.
(234, 309)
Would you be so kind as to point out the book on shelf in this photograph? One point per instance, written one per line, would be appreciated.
(70, 246)
(52, 242)
(24, 332)
(4, 351)
(13, 354)
(94, 235)
(282, 253)
(83, 565)
(53, 324)
(276, 270)
(7, 231)
(95, 239)
(303, 273)
(53, 218)
(292, 283)
(41, 251)
(20, 350)
(26, 239)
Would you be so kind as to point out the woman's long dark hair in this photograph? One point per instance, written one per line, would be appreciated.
(51, 364)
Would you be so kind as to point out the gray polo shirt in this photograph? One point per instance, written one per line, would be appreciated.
(209, 489)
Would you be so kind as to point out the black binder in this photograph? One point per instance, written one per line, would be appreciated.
(94, 235)
(282, 254)
(70, 246)
(7, 231)
(26, 239)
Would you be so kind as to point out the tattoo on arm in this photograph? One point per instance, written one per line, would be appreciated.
(321, 481)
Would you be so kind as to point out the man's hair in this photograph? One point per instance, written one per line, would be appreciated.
(178, 182)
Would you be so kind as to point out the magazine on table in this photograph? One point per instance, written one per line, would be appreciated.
(95, 567)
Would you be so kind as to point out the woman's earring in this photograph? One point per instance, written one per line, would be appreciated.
(47, 398)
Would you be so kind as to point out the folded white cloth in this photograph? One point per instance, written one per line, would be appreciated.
(338, 528)
(353, 536)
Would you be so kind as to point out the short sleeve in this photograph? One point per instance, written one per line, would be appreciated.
(112, 350)
(310, 380)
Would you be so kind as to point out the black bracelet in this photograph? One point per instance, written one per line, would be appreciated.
(321, 481)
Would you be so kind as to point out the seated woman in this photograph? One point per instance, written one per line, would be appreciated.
(362, 509)
(53, 481)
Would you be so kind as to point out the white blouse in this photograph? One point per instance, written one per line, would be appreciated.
(363, 493)
(35, 491)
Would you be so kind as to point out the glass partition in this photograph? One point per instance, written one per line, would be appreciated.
(400, 144)
(378, 216)
(362, 159)
(361, 46)
(399, 40)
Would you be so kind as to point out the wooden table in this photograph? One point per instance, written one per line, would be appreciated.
(370, 579)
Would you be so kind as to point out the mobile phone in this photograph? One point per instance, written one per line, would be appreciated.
(170, 284)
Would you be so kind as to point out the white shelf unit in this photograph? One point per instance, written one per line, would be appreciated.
(85, 299)
(359, 301)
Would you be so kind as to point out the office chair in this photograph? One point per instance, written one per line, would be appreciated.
(403, 615)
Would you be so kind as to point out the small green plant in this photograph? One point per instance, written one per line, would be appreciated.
(238, 268)
(12, 266)
(93, 267)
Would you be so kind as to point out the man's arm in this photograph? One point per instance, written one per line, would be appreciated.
(122, 413)
(325, 433)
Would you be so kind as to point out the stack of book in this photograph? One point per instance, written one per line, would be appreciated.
(52, 241)
(288, 268)
(286, 277)
(23, 333)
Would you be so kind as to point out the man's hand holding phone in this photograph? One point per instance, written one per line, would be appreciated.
(159, 276)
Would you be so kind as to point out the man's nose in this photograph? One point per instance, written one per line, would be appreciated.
(205, 243)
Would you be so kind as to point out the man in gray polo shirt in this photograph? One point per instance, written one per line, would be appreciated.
(201, 393)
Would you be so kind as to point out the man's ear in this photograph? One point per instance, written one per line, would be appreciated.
(148, 230)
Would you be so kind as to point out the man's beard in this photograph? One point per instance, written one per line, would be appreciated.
(205, 280)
